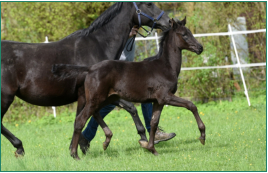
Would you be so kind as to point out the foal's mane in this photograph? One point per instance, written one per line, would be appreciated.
(102, 20)
(162, 40)
(161, 45)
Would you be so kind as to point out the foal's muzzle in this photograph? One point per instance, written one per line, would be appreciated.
(199, 50)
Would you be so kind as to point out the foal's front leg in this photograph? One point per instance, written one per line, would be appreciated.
(157, 109)
(179, 102)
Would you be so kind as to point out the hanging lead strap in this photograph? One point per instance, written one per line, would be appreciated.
(131, 42)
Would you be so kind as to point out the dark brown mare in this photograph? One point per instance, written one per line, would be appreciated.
(26, 67)
(157, 79)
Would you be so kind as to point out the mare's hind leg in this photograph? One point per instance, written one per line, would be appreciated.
(179, 102)
(6, 100)
(128, 106)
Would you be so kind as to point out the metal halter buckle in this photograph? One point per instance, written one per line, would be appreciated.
(138, 11)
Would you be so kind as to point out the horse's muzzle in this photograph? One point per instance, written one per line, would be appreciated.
(199, 50)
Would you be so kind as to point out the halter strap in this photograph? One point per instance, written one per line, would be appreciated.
(139, 12)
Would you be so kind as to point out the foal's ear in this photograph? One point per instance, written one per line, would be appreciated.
(173, 24)
(184, 21)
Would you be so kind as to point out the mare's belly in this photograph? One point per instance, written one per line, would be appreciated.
(49, 93)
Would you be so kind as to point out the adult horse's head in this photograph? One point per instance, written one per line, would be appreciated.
(150, 15)
(185, 38)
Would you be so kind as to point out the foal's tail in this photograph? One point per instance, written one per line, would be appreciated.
(63, 71)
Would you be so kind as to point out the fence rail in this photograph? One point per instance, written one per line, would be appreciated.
(238, 65)
(230, 33)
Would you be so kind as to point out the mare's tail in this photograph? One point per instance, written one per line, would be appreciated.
(63, 71)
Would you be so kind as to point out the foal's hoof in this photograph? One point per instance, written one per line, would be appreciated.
(143, 144)
(202, 141)
(75, 156)
(155, 153)
(105, 145)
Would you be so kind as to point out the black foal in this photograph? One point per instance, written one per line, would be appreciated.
(147, 81)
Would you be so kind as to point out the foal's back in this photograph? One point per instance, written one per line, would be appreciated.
(122, 78)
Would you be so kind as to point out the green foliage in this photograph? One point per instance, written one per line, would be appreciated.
(205, 84)
(213, 17)
(21, 111)
(32, 21)
(235, 141)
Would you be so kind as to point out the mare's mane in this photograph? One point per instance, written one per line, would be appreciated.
(102, 20)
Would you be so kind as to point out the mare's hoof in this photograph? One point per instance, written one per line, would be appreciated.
(105, 145)
(202, 141)
(19, 153)
(143, 144)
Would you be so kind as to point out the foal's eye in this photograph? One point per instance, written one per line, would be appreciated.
(149, 4)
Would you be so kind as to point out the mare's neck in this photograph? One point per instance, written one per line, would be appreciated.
(171, 54)
(116, 32)
(112, 36)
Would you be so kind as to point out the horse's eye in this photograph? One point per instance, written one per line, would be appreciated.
(149, 4)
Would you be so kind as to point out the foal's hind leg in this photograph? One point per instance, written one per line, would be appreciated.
(6, 100)
(176, 101)
(128, 106)
(107, 131)
(81, 101)
(79, 124)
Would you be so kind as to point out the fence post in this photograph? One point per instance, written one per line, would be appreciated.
(239, 65)
(53, 107)
(156, 39)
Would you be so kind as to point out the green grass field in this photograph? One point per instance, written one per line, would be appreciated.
(235, 141)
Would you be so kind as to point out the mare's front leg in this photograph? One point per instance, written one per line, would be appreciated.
(128, 106)
(157, 109)
(171, 99)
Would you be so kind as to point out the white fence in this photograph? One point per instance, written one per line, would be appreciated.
(238, 65)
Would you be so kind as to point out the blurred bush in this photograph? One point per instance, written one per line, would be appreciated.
(32, 21)
(213, 17)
